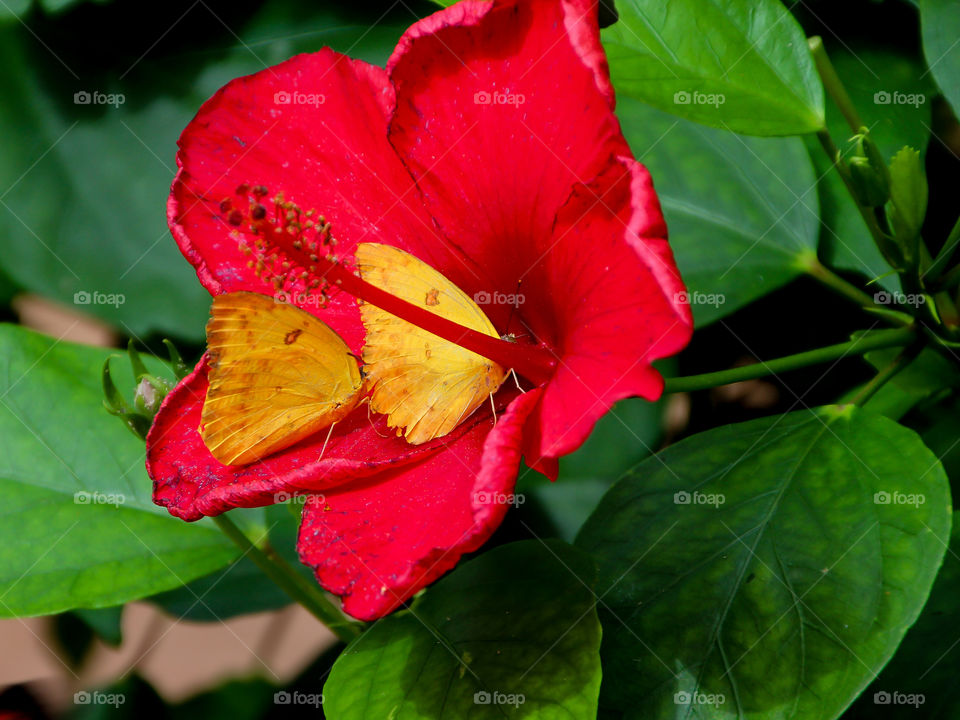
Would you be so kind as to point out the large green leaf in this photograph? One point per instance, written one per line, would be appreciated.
(741, 65)
(940, 22)
(511, 633)
(767, 569)
(83, 187)
(879, 81)
(77, 524)
(742, 217)
(923, 674)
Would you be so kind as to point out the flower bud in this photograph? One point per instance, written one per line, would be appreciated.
(869, 175)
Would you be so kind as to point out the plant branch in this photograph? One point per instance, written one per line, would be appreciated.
(291, 582)
(858, 346)
(833, 85)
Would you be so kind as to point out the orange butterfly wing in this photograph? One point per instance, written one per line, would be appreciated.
(277, 375)
(423, 383)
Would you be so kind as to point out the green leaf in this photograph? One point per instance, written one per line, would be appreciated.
(79, 528)
(869, 75)
(767, 569)
(742, 65)
(241, 587)
(85, 185)
(923, 674)
(929, 374)
(624, 436)
(513, 632)
(940, 24)
(105, 622)
(741, 215)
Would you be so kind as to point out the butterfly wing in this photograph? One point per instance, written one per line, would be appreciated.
(277, 375)
(423, 383)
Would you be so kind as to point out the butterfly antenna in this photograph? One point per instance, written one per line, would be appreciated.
(324, 448)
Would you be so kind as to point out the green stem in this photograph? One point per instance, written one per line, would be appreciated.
(901, 361)
(858, 346)
(291, 582)
(817, 270)
(821, 272)
(833, 85)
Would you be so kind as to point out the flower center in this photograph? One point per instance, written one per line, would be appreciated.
(296, 252)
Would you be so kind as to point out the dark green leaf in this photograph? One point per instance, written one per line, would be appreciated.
(620, 439)
(79, 528)
(940, 21)
(511, 633)
(767, 569)
(241, 587)
(105, 622)
(85, 185)
(743, 220)
(921, 680)
(741, 65)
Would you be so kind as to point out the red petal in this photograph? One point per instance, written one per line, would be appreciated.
(494, 175)
(332, 156)
(379, 542)
(618, 301)
(190, 483)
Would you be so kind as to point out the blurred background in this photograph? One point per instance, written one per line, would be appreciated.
(93, 96)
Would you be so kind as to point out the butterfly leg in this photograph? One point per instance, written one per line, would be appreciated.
(516, 380)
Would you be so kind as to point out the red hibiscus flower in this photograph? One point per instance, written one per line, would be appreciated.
(489, 149)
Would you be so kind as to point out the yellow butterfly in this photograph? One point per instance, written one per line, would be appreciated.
(424, 384)
(277, 375)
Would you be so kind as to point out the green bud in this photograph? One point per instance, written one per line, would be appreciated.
(869, 175)
(908, 200)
